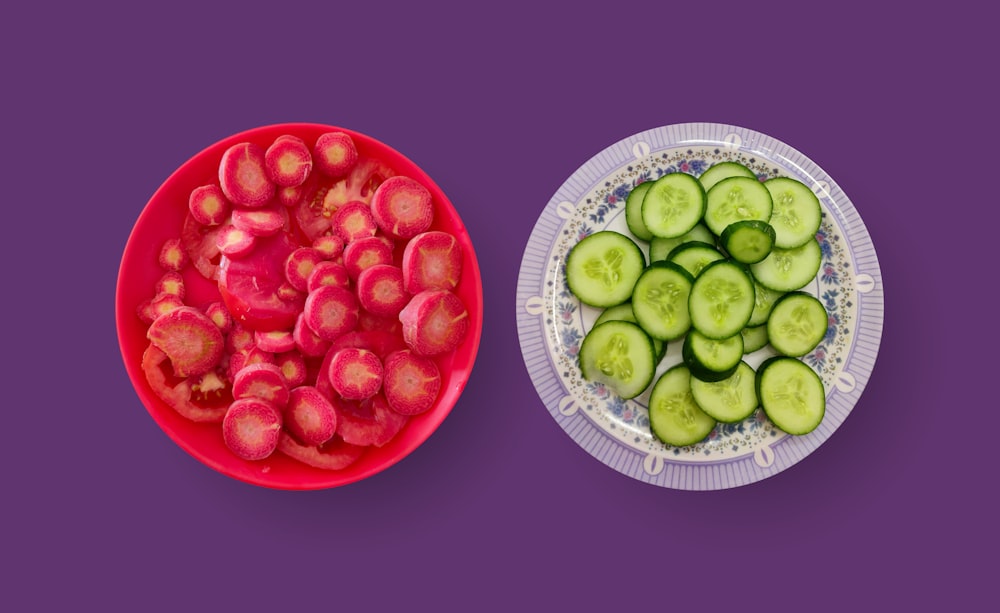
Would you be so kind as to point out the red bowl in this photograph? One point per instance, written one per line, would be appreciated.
(163, 217)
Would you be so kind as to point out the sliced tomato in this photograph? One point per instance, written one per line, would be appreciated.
(199, 242)
(367, 422)
(321, 198)
(334, 454)
(255, 289)
(202, 398)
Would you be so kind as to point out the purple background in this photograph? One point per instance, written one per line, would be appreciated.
(499, 509)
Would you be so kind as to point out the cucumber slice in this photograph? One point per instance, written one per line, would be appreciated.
(694, 256)
(674, 417)
(724, 170)
(730, 400)
(786, 270)
(623, 312)
(722, 300)
(673, 205)
(735, 199)
(797, 324)
(710, 359)
(748, 241)
(660, 301)
(764, 300)
(660, 248)
(791, 394)
(633, 211)
(754, 338)
(619, 355)
(795, 213)
(602, 268)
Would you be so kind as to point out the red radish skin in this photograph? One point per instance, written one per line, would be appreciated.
(217, 312)
(299, 265)
(233, 242)
(251, 428)
(208, 205)
(243, 176)
(369, 422)
(275, 341)
(263, 381)
(331, 311)
(171, 283)
(330, 245)
(402, 207)
(180, 395)
(172, 255)
(380, 290)
(190, 339)
(288, 161)
(353, 221)
(306, 341)
(292, 365)
(310, 416)
(355, 374)
(335, 154)
(335, 454)
(364, 253)
(328, 273)
(259, 222)
(434, 322)
(432, 260)
(410, 382)
(251, 286)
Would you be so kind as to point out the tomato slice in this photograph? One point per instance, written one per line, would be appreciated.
(321, 199)
(255, 289)
(199, 242)
(202, 398)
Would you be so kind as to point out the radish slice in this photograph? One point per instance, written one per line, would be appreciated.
(335, 454)
(330, 245)
(251, 428)
(275, 341)
(288, 161)
(355, 374)
(402, 208)
(233, 242)
(353, 221)
(434, 322)
(410, 382)
(171, 283)
(299, 266)
(172, 255)
(366, 252)
(259, 222)
(335, 154)
(242, 176)
(328, 273)
(368, 422)
(380, 290)
(208, 205)
(310, 416)
(190, 339)
(307, 341)
(331, 311)
(432, 260)
(292, 365)
(263, 381)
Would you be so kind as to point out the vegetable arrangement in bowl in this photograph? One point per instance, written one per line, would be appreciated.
(299, 306)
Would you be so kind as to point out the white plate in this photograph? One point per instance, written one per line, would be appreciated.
(551, 322)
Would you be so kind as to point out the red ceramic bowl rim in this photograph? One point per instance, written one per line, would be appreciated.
(297, 476)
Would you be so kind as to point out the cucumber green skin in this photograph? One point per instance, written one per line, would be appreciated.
(747, 410)
(699, 369)
(724, 170)
(769, 411)
(788, 239)
(682, 254)
(647, 366)
(730, 236)
(775, 336)
(735, 325)
(635, 264)
(633, 211)
(653, 195)
(659, 420)
(713, 200)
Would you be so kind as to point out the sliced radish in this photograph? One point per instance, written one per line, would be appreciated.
(251, 428)
(234, 242)
(328, 273)
(243, 177)
(402, 207)
(331, 311)
(299, 265)
(432, 260)
(364, 253)
(172, 255)
(275, 341)
(434, 322)
(208, 205)
(204, 398)
(390, 325)
(171, 283)
(261, 380)
(335, 454)
(355, 374)
(288, 161)
(410, 382)
(190, 339)
(292, 365)
(310, 416)
(380, 290)
(161, 304)
(264, 221)
(379, 342)
(368, 422)
(307, 341)
(330, 245)
(251, 286)
(353, 221)
(239, 338)
(335, 154)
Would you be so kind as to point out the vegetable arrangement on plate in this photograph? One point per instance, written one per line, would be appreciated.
(729, 258)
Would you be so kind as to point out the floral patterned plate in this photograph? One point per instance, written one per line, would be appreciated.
(551, 322)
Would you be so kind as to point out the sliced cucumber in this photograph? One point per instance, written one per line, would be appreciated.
(673, 205)
(710, 359)
(754, 338)
(619, 355)
(722, 300)
(791, 394)
(786, 270)
(660, 301)
(660, 248)
(797, 324)
(748, 241)
(764, 300)
(735, 199)
(633, 211)
(623, 312)
(674, 417)
(796, 213)
(724, 170)
(730, 400)
(602, 269)
(694, 256)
